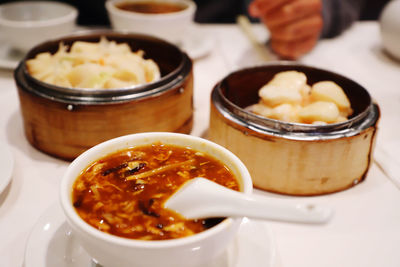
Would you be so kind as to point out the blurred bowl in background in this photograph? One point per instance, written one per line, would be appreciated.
(294, 158)
(168, 19)
(28, 23)
(390, 28)
(64, 122)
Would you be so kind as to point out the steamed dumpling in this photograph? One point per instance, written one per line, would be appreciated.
(288, 97)
(101, 65)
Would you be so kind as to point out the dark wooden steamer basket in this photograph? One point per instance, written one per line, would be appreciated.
(65, 122)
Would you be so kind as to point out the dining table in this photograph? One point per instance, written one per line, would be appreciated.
(364, 230)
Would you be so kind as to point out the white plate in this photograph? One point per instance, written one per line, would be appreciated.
(6, 166)
(9, 57)
(51, 243)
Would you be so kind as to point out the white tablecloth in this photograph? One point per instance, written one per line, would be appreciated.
(365, 230)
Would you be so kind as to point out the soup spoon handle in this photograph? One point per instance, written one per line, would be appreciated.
(202, 198)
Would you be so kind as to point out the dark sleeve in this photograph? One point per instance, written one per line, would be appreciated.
(91, 12)
(220, 11)
(338, 15)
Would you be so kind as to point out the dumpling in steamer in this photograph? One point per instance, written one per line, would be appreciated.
(284, 88)
(101, 65)
(288, 97)
(330, 91)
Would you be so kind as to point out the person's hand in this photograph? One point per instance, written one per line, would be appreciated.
(295, 25)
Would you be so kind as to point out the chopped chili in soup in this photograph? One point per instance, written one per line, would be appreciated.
(123, 193)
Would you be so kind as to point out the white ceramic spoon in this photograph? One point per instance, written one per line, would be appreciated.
(202, 198)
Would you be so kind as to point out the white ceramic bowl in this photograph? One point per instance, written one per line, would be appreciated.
(111, 250)
(27, 23)
(168, 26)
(390, 28)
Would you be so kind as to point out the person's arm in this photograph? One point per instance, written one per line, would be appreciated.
(338, 15)
(297, 25)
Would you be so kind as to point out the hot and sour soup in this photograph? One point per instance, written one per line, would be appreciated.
(123, 193)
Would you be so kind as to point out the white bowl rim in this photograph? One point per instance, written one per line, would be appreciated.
(110, 6)
(70, 16)
(75, 219)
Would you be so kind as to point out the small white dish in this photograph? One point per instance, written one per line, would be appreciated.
(9, 57)
(52, 243)
(6, 166)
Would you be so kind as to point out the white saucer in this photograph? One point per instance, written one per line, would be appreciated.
(51, 243)
(6, 166)
(9, 57)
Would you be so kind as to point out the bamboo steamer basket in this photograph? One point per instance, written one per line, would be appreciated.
(294, 158)
(64, 122)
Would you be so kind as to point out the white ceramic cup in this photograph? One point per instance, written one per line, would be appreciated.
(390, 28)
(24, 24)
(111, 251)
(171, 26)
